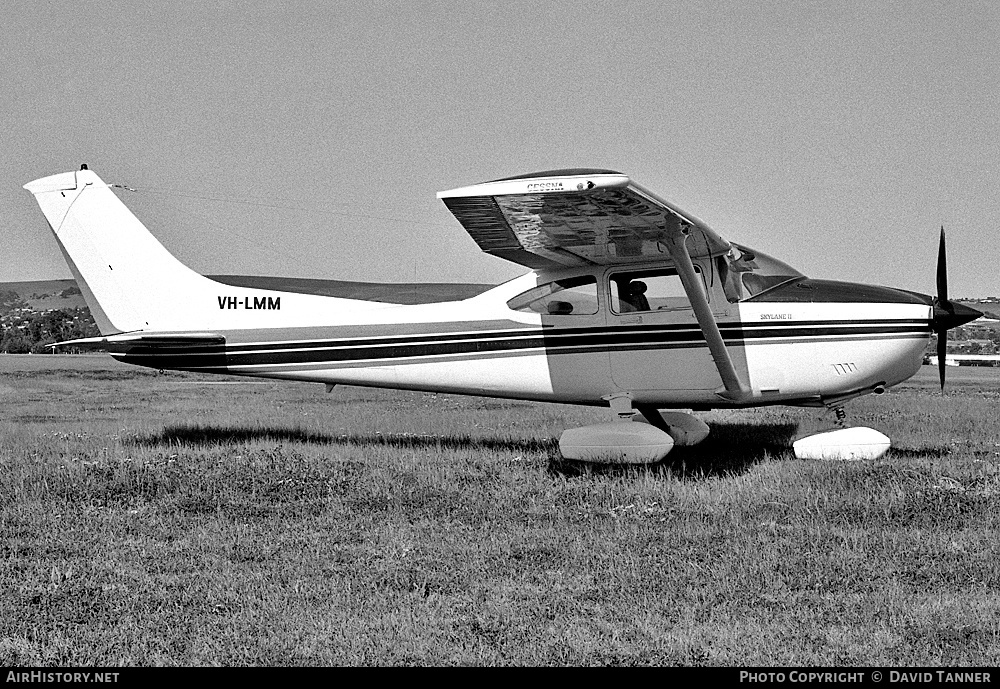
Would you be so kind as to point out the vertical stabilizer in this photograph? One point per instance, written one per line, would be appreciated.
(113, 256)
(132, 283)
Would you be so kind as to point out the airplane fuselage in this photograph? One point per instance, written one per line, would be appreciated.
(806, 342)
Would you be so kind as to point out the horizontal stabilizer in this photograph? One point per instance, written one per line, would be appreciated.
(125, 343)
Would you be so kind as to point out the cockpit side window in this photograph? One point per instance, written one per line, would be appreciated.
(656, 290)
(571, 296)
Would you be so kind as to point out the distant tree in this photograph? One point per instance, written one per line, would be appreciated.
(33, 331)
(15, 342)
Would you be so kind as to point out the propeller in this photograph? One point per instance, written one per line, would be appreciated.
(947, 314)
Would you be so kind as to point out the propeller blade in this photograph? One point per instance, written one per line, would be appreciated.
(942, 295)
(942, 272)
(942, 352)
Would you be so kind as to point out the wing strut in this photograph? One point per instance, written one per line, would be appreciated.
(677, 246)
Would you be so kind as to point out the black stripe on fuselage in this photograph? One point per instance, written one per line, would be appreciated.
(485, 343)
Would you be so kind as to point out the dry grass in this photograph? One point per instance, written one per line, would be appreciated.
(155, 519)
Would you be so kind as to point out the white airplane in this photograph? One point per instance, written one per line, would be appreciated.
(631, 304)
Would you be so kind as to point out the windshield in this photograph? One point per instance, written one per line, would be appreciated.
(747, 272)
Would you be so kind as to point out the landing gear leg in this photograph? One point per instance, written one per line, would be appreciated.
(685, 429)
(652, 414)
(621, 407)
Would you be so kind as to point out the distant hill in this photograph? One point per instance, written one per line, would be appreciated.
(990, 309)
(390, 292)
(42, 295)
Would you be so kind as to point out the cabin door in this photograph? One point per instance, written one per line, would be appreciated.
(659, 345)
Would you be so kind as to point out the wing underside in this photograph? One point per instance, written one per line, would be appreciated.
(576, 217)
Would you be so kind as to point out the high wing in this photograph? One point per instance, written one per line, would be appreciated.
(576, 217)
(582, 217)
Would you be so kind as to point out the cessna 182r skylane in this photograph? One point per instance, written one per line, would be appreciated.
(632, 304)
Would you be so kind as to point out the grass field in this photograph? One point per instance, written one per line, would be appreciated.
(174, 519)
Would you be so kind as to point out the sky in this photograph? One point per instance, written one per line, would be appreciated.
(309, 139)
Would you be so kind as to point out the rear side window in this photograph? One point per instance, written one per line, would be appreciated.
(572, 296)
